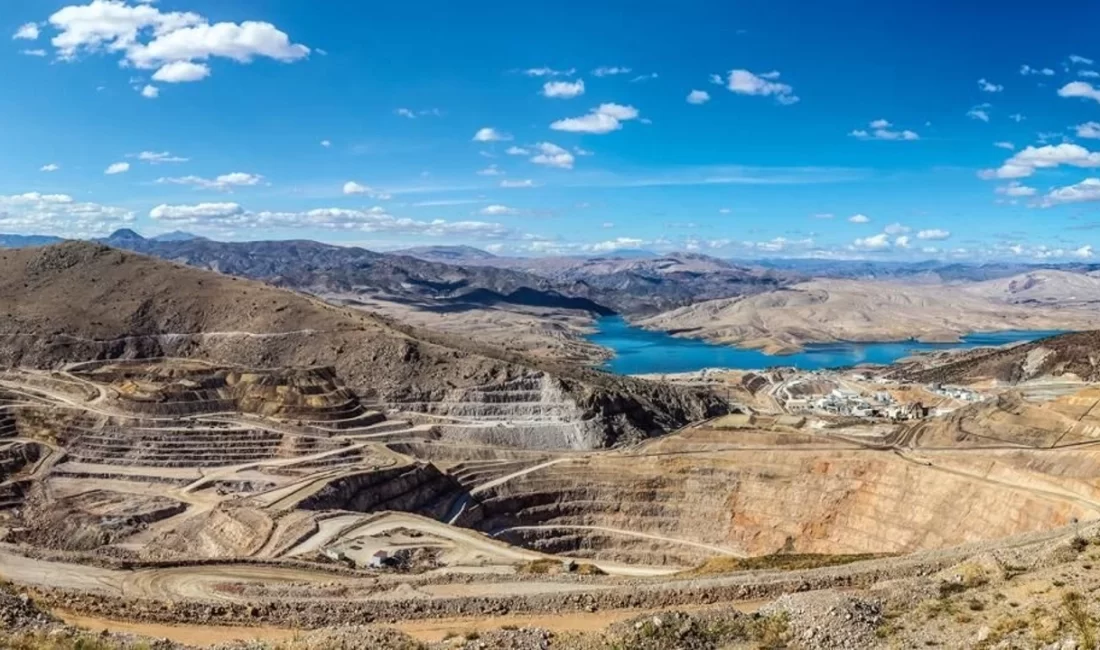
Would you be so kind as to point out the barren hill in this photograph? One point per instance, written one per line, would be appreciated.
(78, 301)
(1076, 354)
(849, 310)
(1042, 287)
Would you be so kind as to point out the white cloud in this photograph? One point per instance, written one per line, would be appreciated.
(605, 118)
(195, 213)
(1083, 252)
(1017, 118)
(517, 183)
(859, 218)
(1081, 89)
(896, 229)
(497, 210)
(1088, 130)
(1074, 58)
(28, 32)
(177, 44)
(1028, 70)
(902, 241)
(489, 134)
(744, 82)
(223, 183)
(1089, 74)
(698, 97)
(1005, 145)
(38, 53)
(376, 219)
(880, 130)
(989, 87)
(580, 151)
(724, 211)
(181, 72)
(551, 155)
(1015, 189)
(877, 242)
(326, 143)
(644, 77)
(608, 71)
(158, 157)
(614, 244)
(1025, 162)
(979, 112)
(491, 170)
(150, 92)
(351, 188)
(548, 72)
(1086, 190)
(933, 234)
(517, 151)
(563, 89)
(59, 214)
(117, 168)
(52, 167)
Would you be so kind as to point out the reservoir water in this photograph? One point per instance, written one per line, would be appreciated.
(639, 351)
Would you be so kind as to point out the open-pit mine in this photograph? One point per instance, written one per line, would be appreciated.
(181, 479)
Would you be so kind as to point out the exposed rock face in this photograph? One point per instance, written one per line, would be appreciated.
(79, 301)
(1076, 354)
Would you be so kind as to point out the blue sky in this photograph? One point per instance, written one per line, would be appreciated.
(851, 129)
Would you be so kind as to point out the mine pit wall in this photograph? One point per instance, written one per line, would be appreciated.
(388, 369)
(418, 487)
(757, 503)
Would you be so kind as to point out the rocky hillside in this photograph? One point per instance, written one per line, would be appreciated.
(79, 301)
(1075, 354)
(324, 269)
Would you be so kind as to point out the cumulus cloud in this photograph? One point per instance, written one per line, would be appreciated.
(902, 241)
(933, 234)
(1015, 189)
(497, 210)
(326, 143)
(895, 229)
(489, 134)
(611, 245)
(517, 151)
(351, 188)
(1005, 145)
(744, 82)
(989, 87)
(563, 89)
(605, 118)
(117, 168)
(1085, 191)
(158, 157)
(181, 72)
(38, 53)
(608, 71)
(1090, 74)
(698, 97)
(59, 214)
(877, 242)
(376, 219)
(170, 42)
(223, 183)
(1088, 130)
(551, 155)
(1082, 89)
(150, 92)
(1074, 58)
(52, 167)
(27, 32)
(517, 183)
(1026, 161)
(859, 218)
(881, 129)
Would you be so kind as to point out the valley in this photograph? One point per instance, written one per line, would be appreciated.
(179, 446)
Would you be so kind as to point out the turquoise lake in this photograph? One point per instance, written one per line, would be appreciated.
(639, 351)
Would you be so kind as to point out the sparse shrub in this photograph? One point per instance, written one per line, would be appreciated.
(1074, 609)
